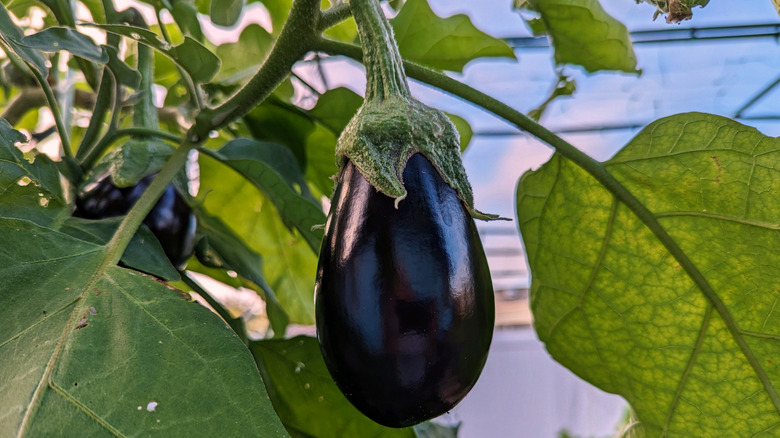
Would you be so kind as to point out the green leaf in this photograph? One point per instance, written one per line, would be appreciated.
(583, 33)
(186, 17)
(336, 107)
(279, 10)
(13, 37)
(192, 56)
(464, 130)
(564, 87)
(224, 250)
(333, 111)
(685, 329)
(282, 123)
(272, 168)
(442, 43)
(288, 262)
(226, 12)
(28, 190)
(305, 396)
(130, 162)
(144, 252)
(240, 60)
(53, 39)
(123, 72)
(106, 351)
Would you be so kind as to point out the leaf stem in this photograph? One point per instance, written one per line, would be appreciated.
(192, 87)
(597, 170)
(297, 37)
(334, 16)
(103, 102)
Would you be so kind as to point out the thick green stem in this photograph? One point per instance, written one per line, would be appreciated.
(296, 39)
(103, 103)
(598, 171)
(385, 76)
(144, 112)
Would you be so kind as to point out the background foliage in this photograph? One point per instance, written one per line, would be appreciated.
(653, 273)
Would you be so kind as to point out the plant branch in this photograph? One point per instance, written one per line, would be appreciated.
(334, 16)
(297, 37)
(597, 170)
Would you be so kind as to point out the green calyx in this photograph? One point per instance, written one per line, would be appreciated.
(391, 126)
(383, 135)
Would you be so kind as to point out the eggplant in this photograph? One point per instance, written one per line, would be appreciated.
(404, 299)
(171, 220)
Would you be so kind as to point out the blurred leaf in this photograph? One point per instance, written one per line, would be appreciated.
(278, 10)
(288, 262)
(321, 154)
(13, 37)
(442, 43)
(240, 60)
(283, 123)
(106, 351)
(336, 107)
(186, 17)
(305, 396)
(564, 87)
(333, 111)
(125, 74)
(429, 429)
(464, 130)
(192, 56)
(28, 190)
(273, 169)
(54, 39)
(144, 252)
(226, 12)
(96, 10)
(583, 33)
(683, 326)
(225, 250)
(130, 162)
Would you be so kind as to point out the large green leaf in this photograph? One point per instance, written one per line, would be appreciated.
(305, 396)
(583, 33)
(684, 328)
(273, 169)
(288, 262)
(144, 252)
(283, 123)
(107, 351)
(130, 162)
(442, 43)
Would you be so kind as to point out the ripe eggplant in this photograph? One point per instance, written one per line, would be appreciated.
(171, 220)
(404, 300)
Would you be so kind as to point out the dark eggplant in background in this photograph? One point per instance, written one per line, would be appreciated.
(404, 299)
(171, 220)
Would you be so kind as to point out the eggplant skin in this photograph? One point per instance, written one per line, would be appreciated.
(171, 220)
(404, 300)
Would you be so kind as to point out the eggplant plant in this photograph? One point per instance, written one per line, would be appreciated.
(653, 273)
